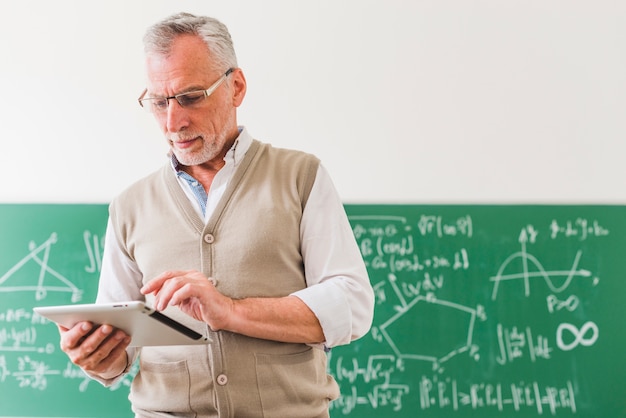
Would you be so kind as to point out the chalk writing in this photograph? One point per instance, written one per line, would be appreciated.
(526, 274)
(380, 397)
(25, 349)
(423, 323)
(586, 336)
(93, 246)
(515, 343)
(580, 228)
(40, 254)
(436, 224)
(450, 394)
(480, 311)
(570, 303)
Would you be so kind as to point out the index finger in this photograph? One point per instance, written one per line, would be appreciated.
(155, 284)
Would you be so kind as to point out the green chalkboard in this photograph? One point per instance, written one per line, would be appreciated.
(49, 255)
(489, 311)
(482, 311)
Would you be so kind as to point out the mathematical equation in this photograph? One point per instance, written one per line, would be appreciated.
(30, 357)
(450, 395)
(424, 319)
(28, 350)
(469, 316)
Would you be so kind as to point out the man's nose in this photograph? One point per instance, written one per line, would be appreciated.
(177, 118)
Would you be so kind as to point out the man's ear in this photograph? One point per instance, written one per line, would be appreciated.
(239, 86)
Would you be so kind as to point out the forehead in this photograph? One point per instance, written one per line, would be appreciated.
(187, 65)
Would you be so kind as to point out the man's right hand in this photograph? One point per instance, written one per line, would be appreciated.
(97, 349)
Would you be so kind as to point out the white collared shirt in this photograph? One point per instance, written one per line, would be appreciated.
(338, 289)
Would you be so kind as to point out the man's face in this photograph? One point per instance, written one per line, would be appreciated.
(202, 133)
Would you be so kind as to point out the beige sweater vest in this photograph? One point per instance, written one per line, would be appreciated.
(251, 246)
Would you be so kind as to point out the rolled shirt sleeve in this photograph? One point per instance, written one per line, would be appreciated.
(338, 288)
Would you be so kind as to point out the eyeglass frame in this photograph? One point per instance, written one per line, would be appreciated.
(207, 93)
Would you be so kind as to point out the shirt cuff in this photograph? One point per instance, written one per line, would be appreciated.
(328, 303)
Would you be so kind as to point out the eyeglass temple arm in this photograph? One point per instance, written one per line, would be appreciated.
(142, 96)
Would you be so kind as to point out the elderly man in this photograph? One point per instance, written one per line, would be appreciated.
(248, 241)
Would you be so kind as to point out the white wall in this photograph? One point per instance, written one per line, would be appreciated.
(404, 101)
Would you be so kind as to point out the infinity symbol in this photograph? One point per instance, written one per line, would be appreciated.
(579, 335)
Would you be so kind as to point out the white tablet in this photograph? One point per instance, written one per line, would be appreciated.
(146, 326)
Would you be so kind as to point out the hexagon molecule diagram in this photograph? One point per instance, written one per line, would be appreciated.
(431, 330)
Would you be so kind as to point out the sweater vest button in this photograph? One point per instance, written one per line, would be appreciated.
(222, 379)
(209, 238)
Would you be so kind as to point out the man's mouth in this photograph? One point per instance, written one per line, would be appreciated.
(185, 142)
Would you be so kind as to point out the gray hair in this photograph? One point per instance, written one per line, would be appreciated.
(160, 36)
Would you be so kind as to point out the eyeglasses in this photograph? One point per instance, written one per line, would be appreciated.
(159, 105)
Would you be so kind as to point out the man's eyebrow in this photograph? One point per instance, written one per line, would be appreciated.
(183, 91)
(191, 88)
